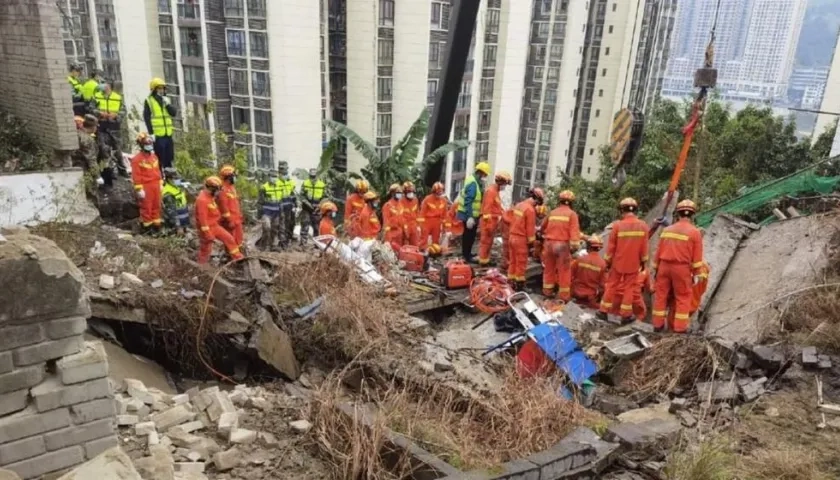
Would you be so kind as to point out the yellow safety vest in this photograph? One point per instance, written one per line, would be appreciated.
(314, 190)
(274, 193)
(112, 104)
(476, 205)
(287, 186)
(180, 196)
(89, 89)
(75, 83)
(161, 120)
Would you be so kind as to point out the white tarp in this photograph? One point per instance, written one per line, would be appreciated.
(359, 256)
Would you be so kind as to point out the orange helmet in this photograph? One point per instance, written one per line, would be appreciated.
(370, 195)
(143, 138)
(537, 194)
(504, 178)
(227, 171)
(687, 206)
(567, 195)
(395, 188)
(595, 241)
(328, 206)
(362, 186)
(542, 210)
(213, 182)
(437, 188)
(408, 187)
(629, 202)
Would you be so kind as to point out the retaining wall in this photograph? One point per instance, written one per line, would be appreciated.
(31, 198)
(56, 405)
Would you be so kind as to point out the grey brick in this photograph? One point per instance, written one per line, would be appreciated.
(79, 434)
(52, 393)
(95, 447)
(29, 422)
(21, 378)
(48, 462)
(15, 336)
(47, 351)
(89, 364)
(6, 363)
(90, 411)
(22, 449)
(13, 401)
(66, 327)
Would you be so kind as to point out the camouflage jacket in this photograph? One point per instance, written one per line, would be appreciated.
(88, 153)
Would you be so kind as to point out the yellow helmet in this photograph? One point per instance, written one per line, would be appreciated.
(156, 82)
(227, 171)
(483, 167)
(567, 195)
(629, 202)
(408, 187)
(687, 206)
(213, 182)
(362, 186)
(395, 188)
(370, 195)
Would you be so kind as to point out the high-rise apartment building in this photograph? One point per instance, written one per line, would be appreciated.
(754, 47)
(830, 101)
(653, 52)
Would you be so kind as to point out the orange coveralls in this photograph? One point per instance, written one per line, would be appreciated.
(207, 217)
(145, 173)
(352, 208)
(627, 251)
(697, 291)
(643, 284)
(394, 225)
(410, 210)
(507, 219)
(326, 227)
(231, 212)
(523, 231)
(432, 211)
(678, 257)
(559, 230)
(588, 275)
(491, 216)
(368, 225)
(451, 224)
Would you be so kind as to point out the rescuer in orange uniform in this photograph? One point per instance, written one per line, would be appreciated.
(588, 274)
(677, 267)
(491, 215)
(145, 174)
(368, 224)
(504, 229)
(561, 234)
(523, 234)
(432, 211)
(542, 212)
(207, 218)
(644, 285)
(451, 223)
(697, 291)
(229, 204)
(627, 251)
(353, 206)
(392, 218)
(410, 210)
(329, 210)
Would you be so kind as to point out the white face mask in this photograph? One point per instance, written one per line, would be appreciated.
(398, 196)
(333, 214)
(409, 195)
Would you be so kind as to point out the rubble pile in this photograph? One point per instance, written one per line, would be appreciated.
(208, 433)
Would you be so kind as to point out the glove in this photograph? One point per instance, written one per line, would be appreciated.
(141, 194)
(470, 223)
(99, 181)
(167, 101)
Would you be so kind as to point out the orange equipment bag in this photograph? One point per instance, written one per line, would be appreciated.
(414, 259)
(456, 274)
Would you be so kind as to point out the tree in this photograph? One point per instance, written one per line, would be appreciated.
(404, 163)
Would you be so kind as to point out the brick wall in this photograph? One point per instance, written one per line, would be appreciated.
(56, 405)
(33, 71)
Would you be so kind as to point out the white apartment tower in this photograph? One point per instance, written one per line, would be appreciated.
(830, 101)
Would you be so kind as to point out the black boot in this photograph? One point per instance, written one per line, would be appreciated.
(601, 316)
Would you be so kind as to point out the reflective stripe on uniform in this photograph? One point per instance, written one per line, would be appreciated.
(588, 266)
(632, 233)
(659, 313)
(697, 264)
(558, 218)
(674, 236)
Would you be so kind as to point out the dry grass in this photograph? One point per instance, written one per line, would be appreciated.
(676, 361)
(710, 460)
(792, 463)
(813, 319)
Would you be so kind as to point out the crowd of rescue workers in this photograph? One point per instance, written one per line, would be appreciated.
(574, 265)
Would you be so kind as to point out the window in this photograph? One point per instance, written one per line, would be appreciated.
(384, 153)
(487, 89)
(562, 6)
(603, 72)
(265, 157)
(601, 92)
(189, 10)
(606, 51)
(545, 137)
(383, 124)
(260, 84)
(256, 8)
(191, 45)
(556, 51)
(194, 81)
(241, 118)
(262, 121)
(597, 113)
(591, 151)
(386, 13)
(542, 158)
(539, 53)
(166, 40)
(610, 30)
(109, 50)
(440, 14)
(434, 53)
(492, 20)
(540, 176)
(525, 174)
(163, 6)
(259, 44)
(541, 30)
(530, 134)
(484, 119)
(238, 82)
(553, 73)
(614, 6)
(170, 72)
(386, 51)
(234, 8)
(594, 133)
(536, 95)
(548, 115)
(386, 89)
(482, 148)
(431, 91)
(236, 43)
(545, 7)
(538, 74)
(490, 55)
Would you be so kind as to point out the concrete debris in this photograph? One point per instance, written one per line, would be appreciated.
(2, 239)
(637, 436)
(825, 362)
(769, 358)
(614, 404)
(809, 357)
(640, 327)
(111, 464)
(157, 283)
(772, 412)
(130, 278)
(242, 436)
(106, 282)
(688, 420)
(677, 404)
(190, 294)
(97, 250)
(716, 391)
(300, 426)
(752, 390)
(629, 346)
(227, 460)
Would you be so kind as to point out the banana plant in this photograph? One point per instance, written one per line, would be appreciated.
(404, 163)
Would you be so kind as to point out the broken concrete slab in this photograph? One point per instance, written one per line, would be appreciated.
(825, 362)
(274, 347)
(614, 404)
(111, 464)
(717, 391)
(628, 347)
(794, 250)
(809, 357)
(751, 390)
(770, 358)
(639, 415)
(636, 436)
(720, 244)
